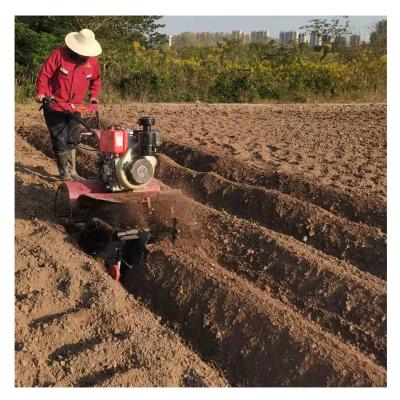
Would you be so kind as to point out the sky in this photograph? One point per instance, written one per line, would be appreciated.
(361, 25)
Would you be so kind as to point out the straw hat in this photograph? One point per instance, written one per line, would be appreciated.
(83, 43)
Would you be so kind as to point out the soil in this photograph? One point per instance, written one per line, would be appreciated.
(278, 275)
(342, 145)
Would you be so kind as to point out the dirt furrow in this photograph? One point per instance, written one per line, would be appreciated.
(265, 308)
(75, 326)
(368, 210)
(338, 296)
(334, 294)
(341, 298)
(358, 244)
(256, 340)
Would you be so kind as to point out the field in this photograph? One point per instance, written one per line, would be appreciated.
(279, 278)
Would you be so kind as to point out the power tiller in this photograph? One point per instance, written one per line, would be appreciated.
(125, 176)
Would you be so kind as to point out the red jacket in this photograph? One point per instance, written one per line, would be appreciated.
(66, 80)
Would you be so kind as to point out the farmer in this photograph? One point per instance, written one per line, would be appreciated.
(66, 75)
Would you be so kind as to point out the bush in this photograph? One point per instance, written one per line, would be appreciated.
(227, 72)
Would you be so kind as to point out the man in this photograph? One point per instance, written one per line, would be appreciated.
(66, 75)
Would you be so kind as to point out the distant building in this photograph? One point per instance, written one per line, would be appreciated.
(169, 40)
(340, 41)
(355, 40)
(206, 39)
(237, 34)
(286, 37)
(315, 39)
(303, 38)
(259, 37)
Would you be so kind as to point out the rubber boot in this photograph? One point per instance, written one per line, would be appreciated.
(62, 164)
(72, 165)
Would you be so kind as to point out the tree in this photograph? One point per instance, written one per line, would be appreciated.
(378, 38)
(328, 29)
(142, 29)
(31, 47)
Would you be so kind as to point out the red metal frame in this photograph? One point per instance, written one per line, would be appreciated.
(96, 190)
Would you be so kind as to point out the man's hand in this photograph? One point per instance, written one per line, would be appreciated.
(94, 101)
(39, 98)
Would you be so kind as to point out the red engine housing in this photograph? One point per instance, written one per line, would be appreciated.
(114, 141)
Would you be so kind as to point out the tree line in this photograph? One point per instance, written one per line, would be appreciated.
(137, 65)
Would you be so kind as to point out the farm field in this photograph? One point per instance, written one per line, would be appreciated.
(278, 279)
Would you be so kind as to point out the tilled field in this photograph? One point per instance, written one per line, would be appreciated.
(278, 278)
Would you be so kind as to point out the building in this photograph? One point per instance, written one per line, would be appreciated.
(286, 37)
(206, 39)
(237, 34)
(169, 40)
(340, 41)
(303, 38)
(259, 37)
(315, 39)
(355, 40)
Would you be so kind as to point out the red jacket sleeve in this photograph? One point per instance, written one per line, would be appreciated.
(95, 82)
(46, 72)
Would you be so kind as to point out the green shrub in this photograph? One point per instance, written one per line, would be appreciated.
(228, 72)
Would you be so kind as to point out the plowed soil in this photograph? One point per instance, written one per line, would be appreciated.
(278, 277)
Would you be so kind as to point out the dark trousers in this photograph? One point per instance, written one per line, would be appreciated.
(63, 128)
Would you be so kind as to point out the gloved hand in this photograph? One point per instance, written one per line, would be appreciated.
(39, 98)
(94, 101)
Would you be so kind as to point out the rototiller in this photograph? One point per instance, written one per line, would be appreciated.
(125, 175)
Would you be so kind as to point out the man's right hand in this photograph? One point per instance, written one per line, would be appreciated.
(39, 98)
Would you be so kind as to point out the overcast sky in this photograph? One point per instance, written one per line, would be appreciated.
(274, 24)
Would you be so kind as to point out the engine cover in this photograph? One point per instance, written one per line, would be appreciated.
(139, 170)
(114, 141)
